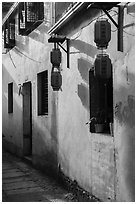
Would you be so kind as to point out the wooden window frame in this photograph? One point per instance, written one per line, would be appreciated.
(10, 97)
(42, 90)
(9, 33)
(97, 101)
(31, 15)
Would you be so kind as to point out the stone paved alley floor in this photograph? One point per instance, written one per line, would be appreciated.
(22, 183)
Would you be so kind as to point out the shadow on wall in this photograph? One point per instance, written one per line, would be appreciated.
(83, 90)
(7, 119)
(83, 93)
(84, 47)
(39, 33)
(84, 67)
(45, 154)
(54, 120)
(22, 42)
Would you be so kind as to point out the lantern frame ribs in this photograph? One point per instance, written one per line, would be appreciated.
(119, 25)
(59, 39)
(105, 6)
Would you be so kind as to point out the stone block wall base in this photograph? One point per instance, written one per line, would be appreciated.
(80, 194)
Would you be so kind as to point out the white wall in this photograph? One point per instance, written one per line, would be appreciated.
(101, 164)
(30, 56)
(93, 159)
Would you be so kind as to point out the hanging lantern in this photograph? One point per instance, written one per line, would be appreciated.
(56, 79)
(103, 66)
(55, 57)
(102, 33)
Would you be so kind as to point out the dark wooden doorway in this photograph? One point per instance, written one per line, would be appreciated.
(27, 119)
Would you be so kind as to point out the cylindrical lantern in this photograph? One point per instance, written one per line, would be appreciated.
(102, 33)
(56, 79)
(55, 57)
(103, 66)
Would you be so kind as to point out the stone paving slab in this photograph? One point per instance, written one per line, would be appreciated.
(6, 166)
(15, 180)
(34, 190)
(22, 183)
(28, 197)
(12, 175)
(19, 185)
(10, 170)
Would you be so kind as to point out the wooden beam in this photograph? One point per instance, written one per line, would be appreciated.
(120, 28)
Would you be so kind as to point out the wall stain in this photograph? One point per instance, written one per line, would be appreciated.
(126, 114)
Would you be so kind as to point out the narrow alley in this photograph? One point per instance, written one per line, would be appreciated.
(68, 101)
(22, 183)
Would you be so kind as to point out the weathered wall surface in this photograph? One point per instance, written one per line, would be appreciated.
(11, 123)
(124, 107)
(93, 159)
(30, 56)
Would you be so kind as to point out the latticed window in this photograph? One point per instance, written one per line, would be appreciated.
(10, 98)
(9, 33)
(31, 15)
(22, 15)
(32, 12)
(6, 36)
(12, 30)
(42, 80)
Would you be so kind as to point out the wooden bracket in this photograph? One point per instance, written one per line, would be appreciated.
(67, 51)
(119, 26)
(60, 39)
